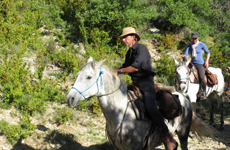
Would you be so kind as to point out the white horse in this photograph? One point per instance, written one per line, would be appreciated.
(123, 130)
(192, 89)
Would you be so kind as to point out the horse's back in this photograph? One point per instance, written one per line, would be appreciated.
(220, 77)
(216, 71)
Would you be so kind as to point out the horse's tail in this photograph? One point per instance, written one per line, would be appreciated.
(202, 129)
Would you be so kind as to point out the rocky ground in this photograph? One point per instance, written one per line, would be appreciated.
(86, 132)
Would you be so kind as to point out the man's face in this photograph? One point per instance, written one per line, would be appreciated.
(128, 40)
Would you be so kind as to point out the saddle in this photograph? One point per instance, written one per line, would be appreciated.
(210, 78)
(168, 103)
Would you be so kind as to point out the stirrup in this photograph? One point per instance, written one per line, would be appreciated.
(203, 95)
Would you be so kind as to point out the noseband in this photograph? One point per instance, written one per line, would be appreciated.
(182, 79)
(96, 82)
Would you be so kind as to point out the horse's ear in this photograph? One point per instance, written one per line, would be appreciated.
(100, 63)
(188, 61)
(90, 59)
(176, 62)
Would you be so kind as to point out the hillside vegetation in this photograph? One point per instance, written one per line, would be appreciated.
(51, 32)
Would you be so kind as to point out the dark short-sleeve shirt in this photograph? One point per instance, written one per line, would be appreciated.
(138, 57)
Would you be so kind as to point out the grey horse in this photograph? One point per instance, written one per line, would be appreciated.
(124, 130)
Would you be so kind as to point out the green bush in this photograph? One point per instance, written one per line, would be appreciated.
(165, 67)
(63, 116)
(14, 133)
(168, 41)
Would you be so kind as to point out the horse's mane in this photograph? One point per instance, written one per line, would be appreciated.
(116, 81)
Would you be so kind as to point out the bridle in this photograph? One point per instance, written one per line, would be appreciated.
(183, 80)
(96, 82)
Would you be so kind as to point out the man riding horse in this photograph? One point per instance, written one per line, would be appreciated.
(138, 65)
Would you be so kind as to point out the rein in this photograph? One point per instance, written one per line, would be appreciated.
(109, 93)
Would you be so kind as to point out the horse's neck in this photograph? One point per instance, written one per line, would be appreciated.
(114, 104)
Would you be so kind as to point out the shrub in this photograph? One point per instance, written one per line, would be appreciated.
(165, 67)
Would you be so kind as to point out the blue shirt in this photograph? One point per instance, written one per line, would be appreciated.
(199, 52)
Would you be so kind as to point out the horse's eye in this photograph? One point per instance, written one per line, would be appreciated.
(89, 77)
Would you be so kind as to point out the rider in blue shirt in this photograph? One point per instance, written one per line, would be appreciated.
(196, 49)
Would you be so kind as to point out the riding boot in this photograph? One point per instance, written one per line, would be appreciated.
(203, 85)
(169, 142)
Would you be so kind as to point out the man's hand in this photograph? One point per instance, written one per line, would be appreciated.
(116, 72)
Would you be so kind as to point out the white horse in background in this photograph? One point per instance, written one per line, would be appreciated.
(191, 89)
(124, 130)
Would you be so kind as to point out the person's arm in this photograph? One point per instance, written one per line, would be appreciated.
(129, 69)
(186, 52)
(206, 64)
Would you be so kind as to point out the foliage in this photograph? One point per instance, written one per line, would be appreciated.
(64, 115)
(184, 12)
(220, 15)
(91, 104)
(17, 88)
(14, 133)
(67, 59)
(165, 67)
(169, 41)
(221, 57)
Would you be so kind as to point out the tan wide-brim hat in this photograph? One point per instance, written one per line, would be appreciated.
(129, 30)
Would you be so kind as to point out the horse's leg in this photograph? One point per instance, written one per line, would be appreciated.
(183, 137)
(211, 109)
(184, 131)
(221, 108)
(222, 117)
(193, 99)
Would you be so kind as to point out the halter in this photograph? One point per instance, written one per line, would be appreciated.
(186, 78)
(183, 79)
(96, 82)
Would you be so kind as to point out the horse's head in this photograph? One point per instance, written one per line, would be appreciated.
(182, 73)
(227, 94)
(88, 82)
